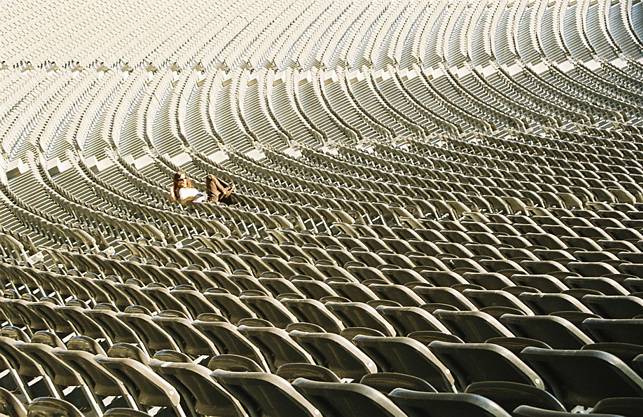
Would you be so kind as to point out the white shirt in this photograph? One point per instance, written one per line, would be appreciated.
(189, 193)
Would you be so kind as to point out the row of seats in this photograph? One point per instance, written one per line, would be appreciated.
(95, 380)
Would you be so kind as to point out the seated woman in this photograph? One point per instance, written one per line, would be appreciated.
(218, 191)
(184, 192)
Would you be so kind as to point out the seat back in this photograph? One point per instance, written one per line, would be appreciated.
(583, 377)
(335, 399)
(266, 395)
(427, 404)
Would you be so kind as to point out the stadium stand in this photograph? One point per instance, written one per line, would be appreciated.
(438, 208)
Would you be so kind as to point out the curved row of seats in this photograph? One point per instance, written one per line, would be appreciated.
(255, 362)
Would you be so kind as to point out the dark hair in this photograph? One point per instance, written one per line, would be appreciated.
(179, 175)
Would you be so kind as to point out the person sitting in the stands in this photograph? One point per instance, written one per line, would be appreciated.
(218, 191)
(184, 192)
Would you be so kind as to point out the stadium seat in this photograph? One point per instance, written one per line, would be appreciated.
(10, 404)
(44, 406)
(510, 395)
(561, 370)
(528, 411)
(425, 404)
(476, 362)
(385, 382)
(147, 388)
(265, 394)
(555, 331)
(336, 353)
(292, 371)
(623, 406)
(408, 356)
(194, 382)
(335, 399)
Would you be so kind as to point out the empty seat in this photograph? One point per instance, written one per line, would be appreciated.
(446, 295)
(125, 412)
(615, 330)
(148, 388)
(411, 319)
(229, 340)
(527, 411)
(47, 407)
(517, 344)
(555, 331)
(496, 299)
(10, 405)
(276, 345)
(475, 362)
(625, 351)
(63, 376)
(583, 377)
(266, 395)
(623, 406)
(292, 371)
(605, 285)
(510, 395)
(269, 309)
(386, 382)
(336, 353)
(203, 394)
(614, 306)
(407, 356)
(426, 404)
(27, 373)
(544, 283)
(355, 314)
(314, 311)
(81, 354)
(188, 338)
(551, 303)
(472, 326)
(335, 399)
(236, 363)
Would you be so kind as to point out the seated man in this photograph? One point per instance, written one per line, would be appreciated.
(218, 191)
(184, 192)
